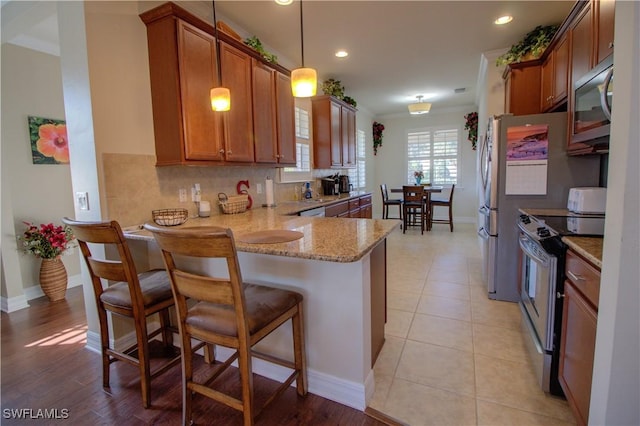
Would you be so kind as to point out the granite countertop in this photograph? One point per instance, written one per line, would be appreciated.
(588, 247)
(328, 239)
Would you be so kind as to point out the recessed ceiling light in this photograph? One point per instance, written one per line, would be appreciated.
(342, 54)
(284, 2)
(503, 20)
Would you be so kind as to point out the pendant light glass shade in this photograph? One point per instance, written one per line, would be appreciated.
(220, 96)
(220, 99)
(419, 107)
(304, 82)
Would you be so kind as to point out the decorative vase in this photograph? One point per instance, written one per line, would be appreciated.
(53, 279)
(418, 180)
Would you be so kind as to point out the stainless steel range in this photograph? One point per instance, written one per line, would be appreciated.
(542, 262)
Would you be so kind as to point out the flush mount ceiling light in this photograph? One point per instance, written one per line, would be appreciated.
(284, 2)
(503, 20)
(220, 96)
(304, 81)
(342, 54)
(419, 107)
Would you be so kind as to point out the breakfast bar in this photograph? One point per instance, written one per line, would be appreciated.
(339, 265)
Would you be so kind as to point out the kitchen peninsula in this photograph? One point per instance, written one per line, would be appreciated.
(339, 265)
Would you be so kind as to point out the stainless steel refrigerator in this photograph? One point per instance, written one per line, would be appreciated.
(508, 184)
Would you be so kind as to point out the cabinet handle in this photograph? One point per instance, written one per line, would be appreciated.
(559, 295)
(574, 276)
(610, 45)
(221, 151)
(229, 152)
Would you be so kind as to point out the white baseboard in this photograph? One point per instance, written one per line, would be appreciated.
(351, 394)
(12, 304)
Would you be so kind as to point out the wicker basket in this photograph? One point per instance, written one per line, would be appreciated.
(170, 217)
(233, 204)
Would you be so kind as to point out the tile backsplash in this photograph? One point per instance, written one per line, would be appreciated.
(134, 186)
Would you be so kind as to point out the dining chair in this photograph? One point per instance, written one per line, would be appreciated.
(413, 207)
(227, 312)
(436, 202)
(386, 202)
(132, 295)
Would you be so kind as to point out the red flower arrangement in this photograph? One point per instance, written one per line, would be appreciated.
(472, 126)
(377, 136)
(48, 241)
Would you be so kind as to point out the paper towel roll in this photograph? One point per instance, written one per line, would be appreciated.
(268, 188)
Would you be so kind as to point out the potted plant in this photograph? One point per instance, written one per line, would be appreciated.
(335, 88)
(530, 47)
(48, 242)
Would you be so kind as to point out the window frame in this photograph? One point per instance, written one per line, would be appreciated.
(432, 130)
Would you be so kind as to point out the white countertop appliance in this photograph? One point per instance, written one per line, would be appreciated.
(589, 199)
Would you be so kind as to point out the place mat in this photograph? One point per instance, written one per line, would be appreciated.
(270, 237)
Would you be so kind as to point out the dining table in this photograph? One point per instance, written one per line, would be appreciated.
(428, 190)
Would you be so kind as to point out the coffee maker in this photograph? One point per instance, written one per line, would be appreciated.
(330, 186)
(343, 184)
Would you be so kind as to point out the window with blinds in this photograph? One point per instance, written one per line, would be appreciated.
(302, 171)
(435, 152)
(357, 175)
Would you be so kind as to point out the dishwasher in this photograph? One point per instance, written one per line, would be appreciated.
(317, 212)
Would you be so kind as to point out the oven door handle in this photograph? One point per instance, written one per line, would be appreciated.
(528, 252)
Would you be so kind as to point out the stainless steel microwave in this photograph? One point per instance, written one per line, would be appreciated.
(593, 93)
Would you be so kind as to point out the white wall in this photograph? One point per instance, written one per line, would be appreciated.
(31, 85)
(390, 165)
(615, 390)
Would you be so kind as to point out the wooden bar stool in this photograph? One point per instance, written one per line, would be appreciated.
(229, 313)
(133, 295)
(386, 202)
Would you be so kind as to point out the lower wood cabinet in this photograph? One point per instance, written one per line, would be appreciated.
(577, 344)
(358, 207)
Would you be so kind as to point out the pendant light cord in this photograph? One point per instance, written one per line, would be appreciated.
(215, 31)
(301, 34)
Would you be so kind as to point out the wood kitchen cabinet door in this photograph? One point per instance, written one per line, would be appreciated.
(605, 14)
(522, 88)
(286, 127)
(582, 44)
(348, 119)
(579, 322)
(264, 113)
(238, 129)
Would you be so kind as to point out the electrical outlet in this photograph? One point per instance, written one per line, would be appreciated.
(82, 198)
(182, 193)
(259, 188)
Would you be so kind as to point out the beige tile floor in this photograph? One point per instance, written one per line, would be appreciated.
(452, 356)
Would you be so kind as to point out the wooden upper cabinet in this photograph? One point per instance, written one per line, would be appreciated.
(183, 69)
(605, 14)
(582, 44)
(236, 76)
(334, 133)
(555, 76)
(523, 88)
(264, 113)
(273, 116)
(286, 126)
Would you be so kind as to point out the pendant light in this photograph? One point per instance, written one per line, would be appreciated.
(304, 81)
(419, 107)
(220, 96)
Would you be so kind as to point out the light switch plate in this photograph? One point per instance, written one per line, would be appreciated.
(182, 194)
(259, 188)
(82, 198)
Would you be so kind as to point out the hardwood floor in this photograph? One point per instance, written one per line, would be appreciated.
(46, 366)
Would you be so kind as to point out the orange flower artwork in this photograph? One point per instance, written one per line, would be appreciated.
(49, 143)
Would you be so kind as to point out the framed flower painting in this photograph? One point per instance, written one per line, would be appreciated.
(49, 143)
